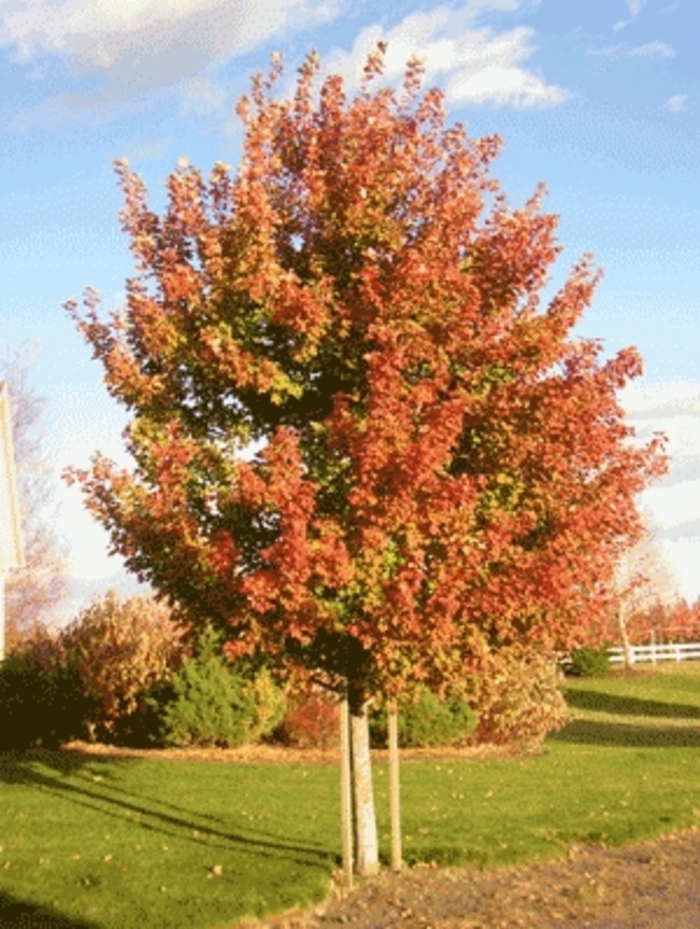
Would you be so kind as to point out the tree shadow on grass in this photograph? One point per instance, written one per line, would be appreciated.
(628, 735)
(24, 914)
(15, 765)
(99, 795)
(628, 706)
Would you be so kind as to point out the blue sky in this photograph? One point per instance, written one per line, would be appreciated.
(599, 98)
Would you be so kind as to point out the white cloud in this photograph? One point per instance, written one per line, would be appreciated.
(137, 45)
(146, 148)
(84, 418)
(200, 96)
(608, 51)
(666, 398)
(479, 66)
(669, 505)
(677, 103)
(505, 86)
(635, 7)
(89, 541)
(684, 556)
(474, 8)
(674, 501)
(655, 49)
(650, 50)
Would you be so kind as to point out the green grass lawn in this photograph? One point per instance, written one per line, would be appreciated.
(626, 768)
(93, 842)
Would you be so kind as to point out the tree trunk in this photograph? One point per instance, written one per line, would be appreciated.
(626, 644)
(366, 845)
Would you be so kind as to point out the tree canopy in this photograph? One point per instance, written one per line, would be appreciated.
(442, 468)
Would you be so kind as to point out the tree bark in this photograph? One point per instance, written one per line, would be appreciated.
(626, 644)
(366, 845)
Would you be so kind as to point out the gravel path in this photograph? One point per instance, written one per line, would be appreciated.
(650, 885)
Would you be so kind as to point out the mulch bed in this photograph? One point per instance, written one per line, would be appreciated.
(649, 885)
(278, 754)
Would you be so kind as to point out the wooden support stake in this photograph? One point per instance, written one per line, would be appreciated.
(346, 791)
(394, 797)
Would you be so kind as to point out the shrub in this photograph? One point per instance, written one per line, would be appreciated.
(209, 702)
(122, 648)
(518, 699)
(312, 720)
(589, 662)
(426, 722)
(42, 702)
(269, 704)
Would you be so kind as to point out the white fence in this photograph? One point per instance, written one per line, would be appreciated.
(656, 651)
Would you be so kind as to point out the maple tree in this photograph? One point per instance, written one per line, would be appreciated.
(679, 622)
(442, 469)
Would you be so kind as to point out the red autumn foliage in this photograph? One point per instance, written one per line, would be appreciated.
(311, 721)
(444, 470)
(677, 621)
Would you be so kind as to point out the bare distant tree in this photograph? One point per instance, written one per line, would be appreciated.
(644, 580)
(34, 591)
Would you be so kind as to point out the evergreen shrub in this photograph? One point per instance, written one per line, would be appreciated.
(426, 722)
(209, 702)
(589, 662)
